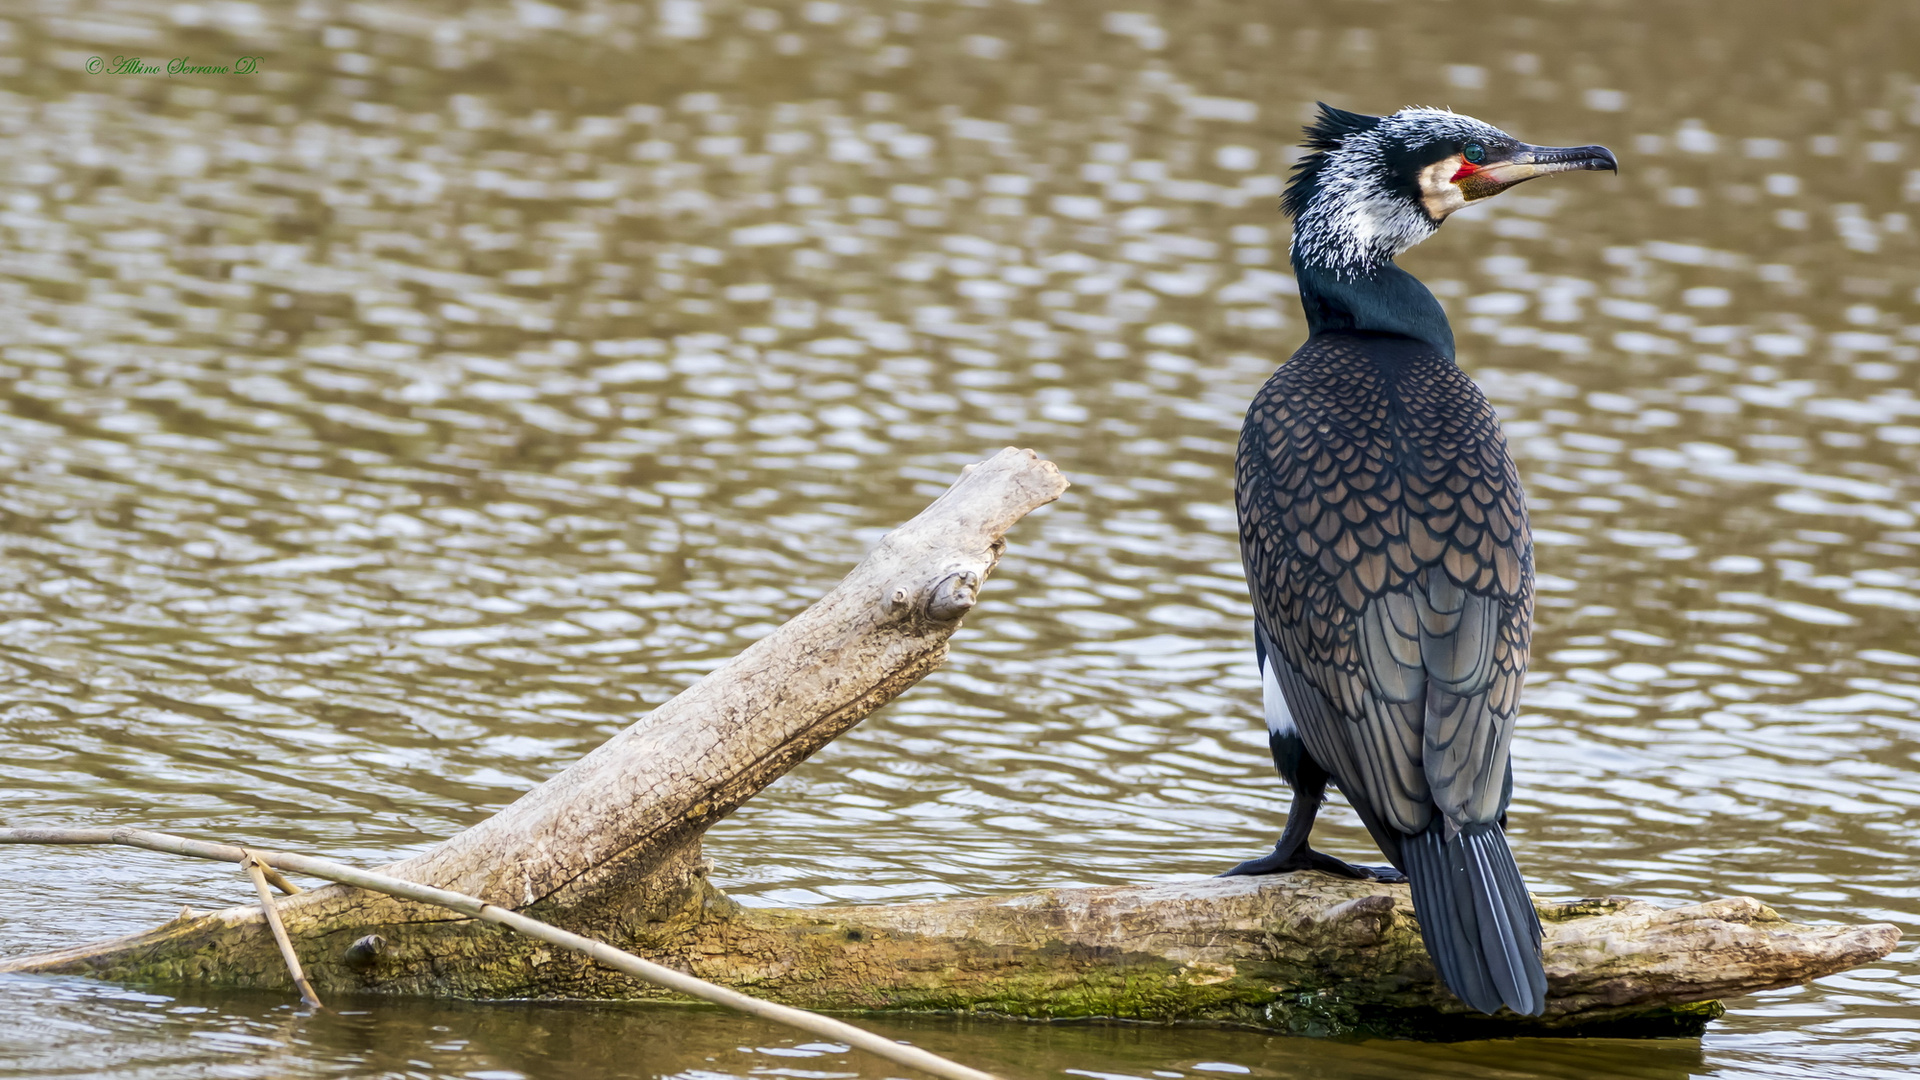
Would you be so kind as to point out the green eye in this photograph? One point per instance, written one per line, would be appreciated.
(1474, 152)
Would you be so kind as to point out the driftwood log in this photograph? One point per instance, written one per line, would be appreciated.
(610, 848)
(263, 867)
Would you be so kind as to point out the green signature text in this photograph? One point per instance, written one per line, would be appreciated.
(179, 65)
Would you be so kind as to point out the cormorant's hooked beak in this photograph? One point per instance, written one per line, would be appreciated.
(1527, 162)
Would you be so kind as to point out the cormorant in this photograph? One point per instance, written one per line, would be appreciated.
(1386, 545)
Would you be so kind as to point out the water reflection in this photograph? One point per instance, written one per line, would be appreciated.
(384, 431)
(84, 1029)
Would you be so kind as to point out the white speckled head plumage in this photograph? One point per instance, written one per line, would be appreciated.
(1356, 200)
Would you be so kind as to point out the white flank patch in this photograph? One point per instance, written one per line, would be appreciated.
(1279, 720)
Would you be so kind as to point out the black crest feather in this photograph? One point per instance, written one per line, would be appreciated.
(1327, 132)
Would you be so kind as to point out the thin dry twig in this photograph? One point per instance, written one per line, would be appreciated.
(279, 881)
(619, 960)
(258, 872)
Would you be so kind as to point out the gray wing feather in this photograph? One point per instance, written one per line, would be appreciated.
(1470, 707)
(1430, 724)
(1376, 756)
(1390, 646)
(1457, 633)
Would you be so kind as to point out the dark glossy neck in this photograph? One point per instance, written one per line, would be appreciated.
(1385, 299)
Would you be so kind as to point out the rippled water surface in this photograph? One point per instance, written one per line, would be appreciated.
(386, 428)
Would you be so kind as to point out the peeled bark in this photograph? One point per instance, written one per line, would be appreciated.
(610, 848)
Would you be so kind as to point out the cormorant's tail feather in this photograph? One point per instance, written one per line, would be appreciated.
(1476, 918)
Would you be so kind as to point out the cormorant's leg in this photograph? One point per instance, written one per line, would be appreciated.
(1309, 782)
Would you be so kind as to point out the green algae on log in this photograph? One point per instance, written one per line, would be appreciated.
(1301, 953)
(609, 848)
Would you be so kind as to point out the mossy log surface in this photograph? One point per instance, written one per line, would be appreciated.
(1302, 953)
(610, 848)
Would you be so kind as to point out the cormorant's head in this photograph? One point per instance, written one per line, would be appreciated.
(1375, 186)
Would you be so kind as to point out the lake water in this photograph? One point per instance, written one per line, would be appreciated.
(385, 428)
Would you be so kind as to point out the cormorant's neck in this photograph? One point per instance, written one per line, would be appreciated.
(1381, 298)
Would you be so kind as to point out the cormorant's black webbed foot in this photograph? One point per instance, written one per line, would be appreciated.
(1385, 874)
(1305, 858)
